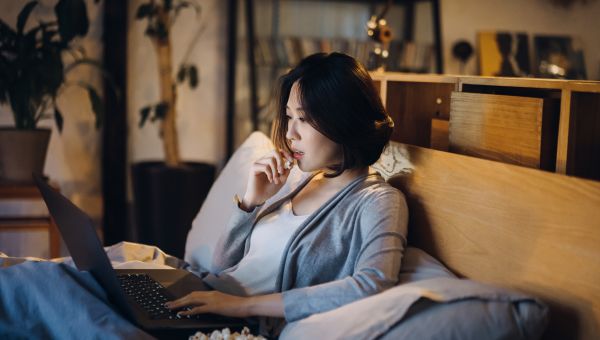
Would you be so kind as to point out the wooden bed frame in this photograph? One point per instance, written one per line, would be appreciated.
(530, 230)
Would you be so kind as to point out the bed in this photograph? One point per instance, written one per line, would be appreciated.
(524, 230)
(527, 230)
(530, 230)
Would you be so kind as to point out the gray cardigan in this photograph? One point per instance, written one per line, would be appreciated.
(348, 249)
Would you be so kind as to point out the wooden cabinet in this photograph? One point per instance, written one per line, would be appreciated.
(23, 211)
(541, 123)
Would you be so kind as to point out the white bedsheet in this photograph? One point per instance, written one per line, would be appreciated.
(123, 255)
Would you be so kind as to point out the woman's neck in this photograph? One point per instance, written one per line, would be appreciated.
(345, 178)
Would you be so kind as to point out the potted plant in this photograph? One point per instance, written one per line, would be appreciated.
(32, 76)
(167, 194)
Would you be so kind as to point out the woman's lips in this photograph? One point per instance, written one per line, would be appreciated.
(298, 155)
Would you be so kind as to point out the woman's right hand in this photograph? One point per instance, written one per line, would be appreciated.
(267, 176)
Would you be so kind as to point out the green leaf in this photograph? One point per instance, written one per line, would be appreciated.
(47, 35)
(72, 19)
(58, 118)
(161, 110)
(23, 15)
(161, 31)
(50, 70)
(181, 73)
(22, 105)
(150, 31)
(7, 35)
(144, 113)
(145, 10)
(97, 104)
(193, 74)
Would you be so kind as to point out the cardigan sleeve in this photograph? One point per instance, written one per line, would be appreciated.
(230, 247)
(377, 265)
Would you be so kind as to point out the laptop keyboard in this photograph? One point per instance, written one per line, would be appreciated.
(150, 295)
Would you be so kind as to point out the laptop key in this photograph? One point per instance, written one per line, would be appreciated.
(147, 293)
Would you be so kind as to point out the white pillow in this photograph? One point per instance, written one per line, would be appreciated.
(218, 205)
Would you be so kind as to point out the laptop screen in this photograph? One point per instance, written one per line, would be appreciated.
(79, 234)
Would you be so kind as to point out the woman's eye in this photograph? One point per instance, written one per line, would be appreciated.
(301, 119)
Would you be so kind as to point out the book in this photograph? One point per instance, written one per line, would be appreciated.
(559, 57)
(503, 53)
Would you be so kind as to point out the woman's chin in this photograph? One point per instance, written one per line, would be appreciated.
(302, 167)
(305, 167)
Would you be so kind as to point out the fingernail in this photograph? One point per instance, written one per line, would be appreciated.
(167, 304)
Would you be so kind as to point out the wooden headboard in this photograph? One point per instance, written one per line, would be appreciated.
(526, 229)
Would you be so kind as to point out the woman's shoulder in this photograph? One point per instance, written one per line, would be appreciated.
(374, 188)
(373, 195)
(379, 205)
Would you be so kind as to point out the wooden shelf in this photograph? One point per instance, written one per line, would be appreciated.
(26, 222)
(574, 140)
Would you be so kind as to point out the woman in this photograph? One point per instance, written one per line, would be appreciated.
(336, 237)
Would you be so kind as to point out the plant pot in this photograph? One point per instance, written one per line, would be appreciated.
(22, 152)
(166, 200)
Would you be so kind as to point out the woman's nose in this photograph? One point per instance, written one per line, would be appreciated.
(292, 133)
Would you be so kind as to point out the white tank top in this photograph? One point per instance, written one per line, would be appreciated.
(256, 273)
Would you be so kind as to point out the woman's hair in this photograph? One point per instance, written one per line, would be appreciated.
(341, 102)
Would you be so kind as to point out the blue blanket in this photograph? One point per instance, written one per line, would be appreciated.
(55, 301)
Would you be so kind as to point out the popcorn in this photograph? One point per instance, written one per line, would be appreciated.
(225, 334)
(288, 164)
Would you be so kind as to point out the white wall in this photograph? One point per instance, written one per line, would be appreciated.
(73, 159)
(461, 19)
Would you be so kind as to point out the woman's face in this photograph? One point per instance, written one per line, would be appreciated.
(311, 149)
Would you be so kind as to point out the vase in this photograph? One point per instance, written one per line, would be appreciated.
(166, 200)
(22, 152)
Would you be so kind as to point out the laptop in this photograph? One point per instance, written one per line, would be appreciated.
(138, 294)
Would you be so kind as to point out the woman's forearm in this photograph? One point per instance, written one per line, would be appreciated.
(265, 305)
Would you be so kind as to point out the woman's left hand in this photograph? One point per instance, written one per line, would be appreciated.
(211, 302)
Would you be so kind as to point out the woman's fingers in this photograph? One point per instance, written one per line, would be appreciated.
(270, 168)
(264, 168)
(274, 172)
(279, 160)
(209, 302)
(273, 166)
(191, 298)
(196, 310)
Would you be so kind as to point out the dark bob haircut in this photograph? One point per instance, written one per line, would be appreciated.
(341, 102)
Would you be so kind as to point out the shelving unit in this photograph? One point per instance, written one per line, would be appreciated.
(415, 101)
(259, 86)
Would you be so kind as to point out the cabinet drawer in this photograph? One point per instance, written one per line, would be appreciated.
(511, 129)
